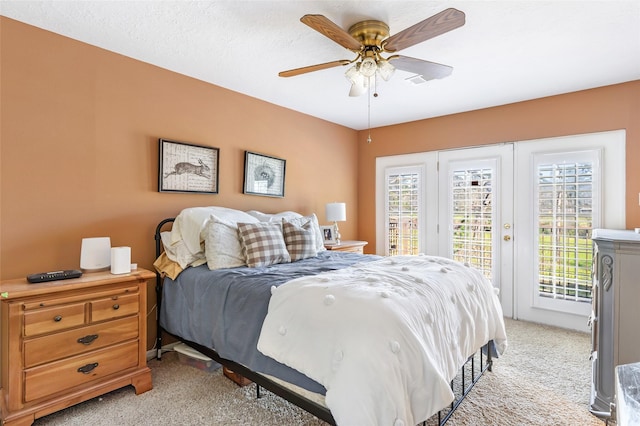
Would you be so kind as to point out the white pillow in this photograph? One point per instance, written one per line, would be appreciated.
(165, 237)
(273, 217)
(262, 217)
(190, 223)
(179, 253)
(301, 221)
(222, 244)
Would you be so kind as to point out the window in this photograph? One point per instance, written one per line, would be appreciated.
(566, 199)
(403, 201)
(472, 237)
(406, 212)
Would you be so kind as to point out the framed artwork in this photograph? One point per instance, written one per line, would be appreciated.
(263, 175)
(186, 167)
(328, 234)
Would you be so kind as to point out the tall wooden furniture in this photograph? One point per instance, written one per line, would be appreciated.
(64, 342)
(615, 318)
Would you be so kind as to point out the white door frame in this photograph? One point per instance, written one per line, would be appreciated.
(612, 215)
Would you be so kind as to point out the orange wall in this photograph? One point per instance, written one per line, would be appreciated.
(596, 110)
(79, 153)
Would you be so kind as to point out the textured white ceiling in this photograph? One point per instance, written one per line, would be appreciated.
(508, 51)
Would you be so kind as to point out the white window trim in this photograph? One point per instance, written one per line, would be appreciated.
(595, 157)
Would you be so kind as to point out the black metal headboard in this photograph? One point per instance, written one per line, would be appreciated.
(159, 250)
(157, 235)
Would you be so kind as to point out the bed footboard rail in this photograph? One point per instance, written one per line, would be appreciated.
(471, 372)
(309, 406)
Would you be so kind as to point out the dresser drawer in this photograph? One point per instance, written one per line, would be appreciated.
(54, 318)
(49, 379)
(73, 342)
(114, 307)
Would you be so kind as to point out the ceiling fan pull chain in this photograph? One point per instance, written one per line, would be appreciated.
(375, 83)
(369, 113)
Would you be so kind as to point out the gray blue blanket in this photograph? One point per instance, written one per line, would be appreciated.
(224, 309)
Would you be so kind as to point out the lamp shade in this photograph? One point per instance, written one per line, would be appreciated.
(385, 69)
(336, 212)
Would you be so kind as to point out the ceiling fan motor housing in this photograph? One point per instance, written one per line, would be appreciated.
(370, 33)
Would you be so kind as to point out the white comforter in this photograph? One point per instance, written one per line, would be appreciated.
(385, 338)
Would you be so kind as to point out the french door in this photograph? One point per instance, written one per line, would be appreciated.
(522, 213)
(476, 213)
(566, 187)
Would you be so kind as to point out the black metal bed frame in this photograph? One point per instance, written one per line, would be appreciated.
(317, 410)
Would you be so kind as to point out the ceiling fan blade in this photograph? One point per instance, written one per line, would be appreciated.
(428, 70)
(311, 68)
(329, 29)
(440, 23)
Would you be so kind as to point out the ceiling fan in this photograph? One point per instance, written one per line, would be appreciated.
(369, 39)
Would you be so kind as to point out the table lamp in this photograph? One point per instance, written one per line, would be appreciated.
(336, 212)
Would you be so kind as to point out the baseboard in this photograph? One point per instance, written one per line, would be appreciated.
(152, 353)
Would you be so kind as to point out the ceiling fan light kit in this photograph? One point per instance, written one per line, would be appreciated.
(361, 73)
(359, 84)
(368, 39)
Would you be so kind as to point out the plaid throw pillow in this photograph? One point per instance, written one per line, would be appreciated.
(263, 244)
(313, 220)
(300, 241)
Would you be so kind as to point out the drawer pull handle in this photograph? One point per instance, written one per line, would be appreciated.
(86, 369)
(116, 307)
(57, 318)
(88, 339)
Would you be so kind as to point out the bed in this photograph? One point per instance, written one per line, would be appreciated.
(350, 338)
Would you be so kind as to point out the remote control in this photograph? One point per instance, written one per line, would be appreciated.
(53, 276)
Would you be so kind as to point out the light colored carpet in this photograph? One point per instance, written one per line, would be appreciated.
(543, 379)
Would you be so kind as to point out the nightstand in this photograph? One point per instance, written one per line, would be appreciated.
(64, 342)
(350, 246)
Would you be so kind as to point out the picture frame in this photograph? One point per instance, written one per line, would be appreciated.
(187, 167)
(263, 175)
(328, 234)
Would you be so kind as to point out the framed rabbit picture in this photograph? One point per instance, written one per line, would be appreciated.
(186, 167)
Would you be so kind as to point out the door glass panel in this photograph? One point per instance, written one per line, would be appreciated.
(472, 231)
(403, 187)
(565, 221)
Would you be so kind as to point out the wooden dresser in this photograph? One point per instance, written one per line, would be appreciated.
(350, 246)
(64, 342)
